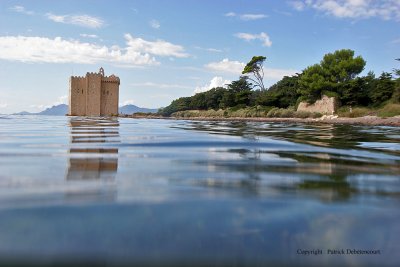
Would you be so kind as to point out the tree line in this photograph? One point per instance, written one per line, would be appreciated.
(336, 75)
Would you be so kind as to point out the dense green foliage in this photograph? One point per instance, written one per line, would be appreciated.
(335, 71)
(202, 101)
(282, 94)
(238, 93)
(336, 75)
(383, 90)
(396, 93)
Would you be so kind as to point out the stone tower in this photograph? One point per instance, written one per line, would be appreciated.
(93, 95)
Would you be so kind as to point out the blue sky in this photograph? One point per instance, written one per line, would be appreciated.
(162, 50)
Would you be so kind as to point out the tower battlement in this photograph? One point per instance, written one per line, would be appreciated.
(77, 77)
(110, 79)
(94, 94)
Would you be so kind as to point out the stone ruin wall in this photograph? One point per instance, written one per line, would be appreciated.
(94, 95)
(327, 106)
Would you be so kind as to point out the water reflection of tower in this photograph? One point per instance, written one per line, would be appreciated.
(92, 156)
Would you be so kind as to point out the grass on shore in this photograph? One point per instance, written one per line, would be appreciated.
(389, 110)
(355, 112)
(247, 112)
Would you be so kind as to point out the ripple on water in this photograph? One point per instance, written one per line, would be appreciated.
(125, 190)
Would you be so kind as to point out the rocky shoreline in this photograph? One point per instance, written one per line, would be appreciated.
(366, 120)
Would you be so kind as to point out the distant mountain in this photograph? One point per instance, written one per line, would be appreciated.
(129, 109)
(23, 113)
(58, 110)
(61, 110)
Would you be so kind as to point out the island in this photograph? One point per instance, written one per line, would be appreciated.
(330, 91)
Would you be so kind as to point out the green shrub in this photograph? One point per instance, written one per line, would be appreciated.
(281, 113)
(286, 113)
(303, 114)
(306, 114)
(316, 115)
(249, 112)
(271, 112)
(237, 107)
(389, 110)
(355, 112)
(396, 93)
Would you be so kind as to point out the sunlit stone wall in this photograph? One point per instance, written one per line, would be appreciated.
(327, 105)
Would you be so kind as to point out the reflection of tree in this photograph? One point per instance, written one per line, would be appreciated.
(328, 174)
(323, 178)
(251, 157)
(322, 175)
(326, 135)
(339, 190)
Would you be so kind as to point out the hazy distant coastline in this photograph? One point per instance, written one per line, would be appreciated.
(62, 110)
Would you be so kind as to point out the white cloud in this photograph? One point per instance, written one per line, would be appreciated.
(79, 20)
(246, 17)
(40, 49)
(298, 5)
(3, 105)
(252, 16)
(61, 100)
(55, 18)
(85, 35)
(154, 24)
(227, 66)
(263, 37)
(209, 49)
(230, 14)
(21, 9)
(214, 50)
(384, 9)
(215, 82)
(160, 85)
(158, 47)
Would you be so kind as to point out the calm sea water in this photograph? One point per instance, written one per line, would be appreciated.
(165, 192)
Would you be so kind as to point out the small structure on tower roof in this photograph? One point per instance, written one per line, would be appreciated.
(94, 95)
